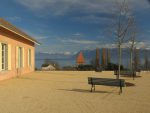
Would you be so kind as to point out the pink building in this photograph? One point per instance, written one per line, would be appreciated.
(17, 51)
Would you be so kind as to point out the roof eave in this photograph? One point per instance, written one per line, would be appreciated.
(36, 42)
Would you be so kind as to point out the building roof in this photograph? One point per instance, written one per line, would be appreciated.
(5, 24)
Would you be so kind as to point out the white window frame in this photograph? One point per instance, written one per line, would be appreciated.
(29, 57)
(20, 57)
(4, 59)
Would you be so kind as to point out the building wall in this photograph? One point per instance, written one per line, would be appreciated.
(15, 41)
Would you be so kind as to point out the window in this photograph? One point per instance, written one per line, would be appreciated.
(20, 57)
(4, 56)
(29, 57)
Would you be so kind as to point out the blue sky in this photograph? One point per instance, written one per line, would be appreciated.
(67, 26)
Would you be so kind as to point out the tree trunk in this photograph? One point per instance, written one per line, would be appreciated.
(132, 66)
(108, 56)
(131, 59)
(119, 61)
(97, 58)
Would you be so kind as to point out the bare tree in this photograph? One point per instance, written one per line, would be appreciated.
(146, 60)
(104, 58)
(132, 41)
(97, 58)
(122, 23)
(136, 59)
(108, 56)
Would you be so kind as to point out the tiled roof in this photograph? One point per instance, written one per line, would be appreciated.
(9, 26)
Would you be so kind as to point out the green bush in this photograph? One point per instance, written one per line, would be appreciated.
(45, 65)
(112, 66)
(85, 67)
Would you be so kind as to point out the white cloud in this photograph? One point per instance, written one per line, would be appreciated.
(139, 45)
(14, 18)
(35, 35)
(67, 53)
(80, 41)
(40, 37)
(87, 11)
(61, 7)
(77, 34)
(94, 19)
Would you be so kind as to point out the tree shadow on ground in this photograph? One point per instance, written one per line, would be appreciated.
(84, 91)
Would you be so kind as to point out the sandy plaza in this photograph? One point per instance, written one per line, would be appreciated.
(75, 56)
(69, 92)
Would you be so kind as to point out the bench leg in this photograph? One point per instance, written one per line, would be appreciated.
(120, 89)
(91, 87)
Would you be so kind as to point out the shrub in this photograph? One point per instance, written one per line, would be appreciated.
(85, 67)
(45, 65)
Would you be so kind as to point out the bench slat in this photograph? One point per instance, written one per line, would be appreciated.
(106, 81)
(125, 72)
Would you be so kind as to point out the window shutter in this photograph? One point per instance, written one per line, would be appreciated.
(9, 57)
(17, 56)
(0, 56)
(22, 57)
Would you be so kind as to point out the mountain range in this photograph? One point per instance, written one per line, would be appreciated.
(70, 60)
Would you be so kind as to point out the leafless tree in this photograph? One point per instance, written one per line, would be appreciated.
(132, 41)
(108, 56)
(146, 60)
(104, 58)
(136, 59)
(121, 24)
(97, 58)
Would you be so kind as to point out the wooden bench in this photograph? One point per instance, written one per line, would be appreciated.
(106, 81)
(138, 71)
(126, 73)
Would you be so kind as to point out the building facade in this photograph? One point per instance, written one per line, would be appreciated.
(17, 51)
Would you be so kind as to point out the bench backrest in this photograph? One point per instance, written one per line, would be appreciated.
(125, 72)
(138, 70)
(106, 81)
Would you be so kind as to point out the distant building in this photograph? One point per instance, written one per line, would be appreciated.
(80, 59)
(50, 67)
(17, 51)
